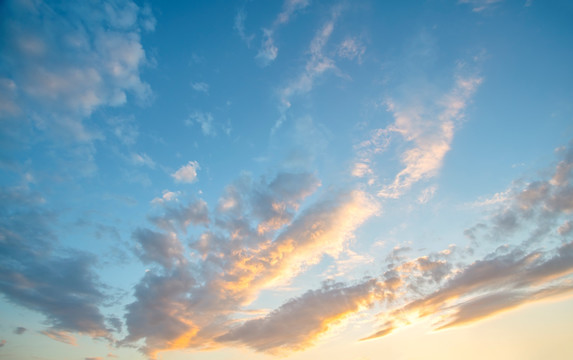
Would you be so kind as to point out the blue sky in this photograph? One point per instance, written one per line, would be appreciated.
(296, 178)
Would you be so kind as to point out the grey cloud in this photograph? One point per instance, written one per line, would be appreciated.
(20, 330)
(297, 323)
(238, 258)
(178, 218)
(164, 249)
(496, 283)
(58, 283)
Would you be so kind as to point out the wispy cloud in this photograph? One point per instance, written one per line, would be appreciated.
(480, 5)
(317, 64)
(268, 50)
(200, 87)
(203, 119)
(61, 336)
(351, 48)
(512, 275)
(239, 26)
(428, 128)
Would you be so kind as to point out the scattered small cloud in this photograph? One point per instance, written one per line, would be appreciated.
(203, 119)
(187, 173)
(351, 49)
(200, 87)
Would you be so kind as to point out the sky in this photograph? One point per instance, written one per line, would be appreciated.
(300, 179)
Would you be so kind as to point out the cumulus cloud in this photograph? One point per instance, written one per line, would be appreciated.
(177, 217)
(187, 173)
(103, 61)
(259, 239)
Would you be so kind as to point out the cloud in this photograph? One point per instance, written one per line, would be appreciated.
(2, 342)
(239, 26)
(510, 276)
(268, 51)
(430, 133)
(164, 249)
(205, 120)
(58, 283)
(103, 61)
(178, 217)
(200, 87)
(480, 5)
(187, 173)
(259, 239)
(351, 48)
(317, 64)
(299, 322)
(20, 330)
(61, 336)
(166, 197)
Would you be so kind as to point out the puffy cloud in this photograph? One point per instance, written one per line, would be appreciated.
(187, 173)
(20, 330)
(177, 217)
(102, 65)
(259, 238)
(300, 321)
(164, 249)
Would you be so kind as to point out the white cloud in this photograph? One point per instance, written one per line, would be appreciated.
(187, 173)
(102, 65)
(351, 49)
(200, 87)
(205, 120)
(240, 27)
(317, 64)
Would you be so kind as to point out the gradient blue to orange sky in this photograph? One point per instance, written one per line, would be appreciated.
(307, 179)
